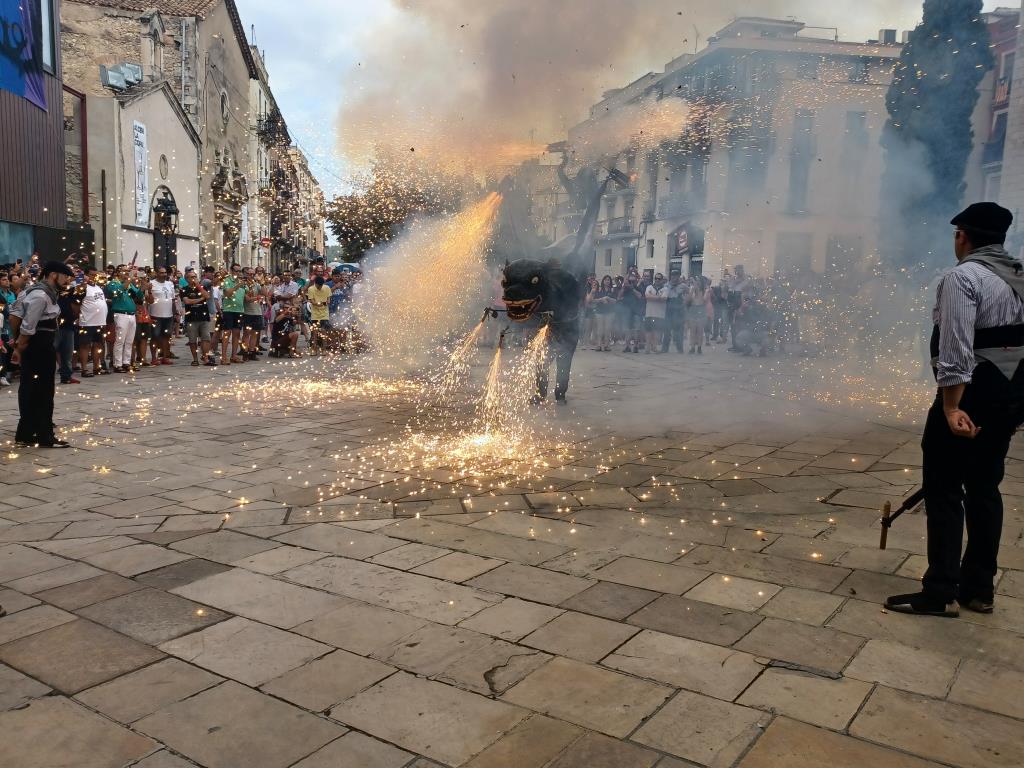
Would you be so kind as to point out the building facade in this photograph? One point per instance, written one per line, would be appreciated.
(992, 113)
(33, 195)
(777, 165)
(199, 47)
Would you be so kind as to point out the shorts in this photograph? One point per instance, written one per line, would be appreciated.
(199, 330)
(324, 325)
(654, 324)
(634, 321)
(231, 321)
(252, 322)
(91, 334)
(143, 331)
(162, 327)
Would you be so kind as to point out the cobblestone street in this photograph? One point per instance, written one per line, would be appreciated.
(201, 582)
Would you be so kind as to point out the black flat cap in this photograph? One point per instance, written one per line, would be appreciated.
(985, 218)
(57, 268)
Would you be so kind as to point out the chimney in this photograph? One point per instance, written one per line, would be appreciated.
(887, 36)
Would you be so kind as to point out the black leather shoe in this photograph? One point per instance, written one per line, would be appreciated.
(922, 604)
(54, 444)
(977, 604)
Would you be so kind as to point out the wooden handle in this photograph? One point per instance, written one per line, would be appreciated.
(884, 538)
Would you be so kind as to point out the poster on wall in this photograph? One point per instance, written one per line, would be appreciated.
(243, 238)
(141, 174)
(21, 55)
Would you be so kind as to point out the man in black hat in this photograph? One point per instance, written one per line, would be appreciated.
(37, 354)
(977, 349)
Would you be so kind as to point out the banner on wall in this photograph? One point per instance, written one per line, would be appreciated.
(21, 53)
(141, 174)
(243, 238)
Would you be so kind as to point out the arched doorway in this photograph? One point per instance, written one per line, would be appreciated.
(165, 229)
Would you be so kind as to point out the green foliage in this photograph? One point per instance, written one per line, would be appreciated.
(928, 137)
(393, 193)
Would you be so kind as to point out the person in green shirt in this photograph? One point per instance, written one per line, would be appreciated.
(232, 306)
(124, 293)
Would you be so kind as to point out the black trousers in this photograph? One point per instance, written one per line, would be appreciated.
(961, 484)
(561, 349)
(35, 392)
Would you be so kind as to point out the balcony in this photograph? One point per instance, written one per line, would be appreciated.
(617, 227)
(1003, 88)
(675, 207)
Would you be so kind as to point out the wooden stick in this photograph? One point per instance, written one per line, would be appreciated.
(884, 538)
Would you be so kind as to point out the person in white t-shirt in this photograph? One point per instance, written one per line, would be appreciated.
(162, 312)
(657, 296)
(92, 320)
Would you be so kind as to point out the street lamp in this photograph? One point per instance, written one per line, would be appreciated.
(165, 219)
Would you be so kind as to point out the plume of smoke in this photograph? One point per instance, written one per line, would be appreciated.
(426, 286)
(642, 125)
(468, 83)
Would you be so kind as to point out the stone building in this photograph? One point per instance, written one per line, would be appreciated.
(992, 113)
(199, 48)
(777, 167)
(307, 222)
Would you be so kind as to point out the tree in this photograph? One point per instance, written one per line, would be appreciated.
(394, 192)
(928, 137)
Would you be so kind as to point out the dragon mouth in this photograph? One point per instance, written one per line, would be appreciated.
(521, 311)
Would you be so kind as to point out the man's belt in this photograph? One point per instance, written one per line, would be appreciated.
(987, 338)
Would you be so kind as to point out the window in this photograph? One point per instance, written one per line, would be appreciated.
(859, 70)
(225, 108)
(1006, 70)
(608, 257)
(799, 178)
(794, 252)
(46, 36)
(650, 250)
(993, 186)
(807, 69)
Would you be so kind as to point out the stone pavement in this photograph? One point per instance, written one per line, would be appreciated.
(227, 573)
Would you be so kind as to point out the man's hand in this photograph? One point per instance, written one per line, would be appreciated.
(960, 423)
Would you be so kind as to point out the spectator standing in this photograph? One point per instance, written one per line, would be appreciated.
(198, 324)
(69, 302)
(285, 335)
(162, 311)
(143, 326)
(92, 318)
(675, 312)
(656, 296)
(631, 299)
(604, 310)
(7, 299)
(696, 316)
(36, 353)
(252, 321)
(233, 305)
(319, 296)
(123, 293)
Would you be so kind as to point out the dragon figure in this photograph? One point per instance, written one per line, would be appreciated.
(551, 292)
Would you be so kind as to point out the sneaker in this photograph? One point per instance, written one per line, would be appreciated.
(166, 361)
(922, 604)
(72, 380)
(4, 381)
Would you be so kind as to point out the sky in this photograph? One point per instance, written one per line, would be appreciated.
(315, 50)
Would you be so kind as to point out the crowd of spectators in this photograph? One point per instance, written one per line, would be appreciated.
(648, 312)
(124, 318)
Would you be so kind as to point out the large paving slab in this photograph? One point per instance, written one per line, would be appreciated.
(231, 725)
(589, 696)
(55, 732)
(429, 718)
(650, 595)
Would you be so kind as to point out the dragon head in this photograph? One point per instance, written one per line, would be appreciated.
(526, 288)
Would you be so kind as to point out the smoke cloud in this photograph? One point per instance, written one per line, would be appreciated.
(458, 82)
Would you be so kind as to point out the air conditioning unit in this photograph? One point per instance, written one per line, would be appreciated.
(887, 36)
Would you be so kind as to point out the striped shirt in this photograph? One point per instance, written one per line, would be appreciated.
(969, 296)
